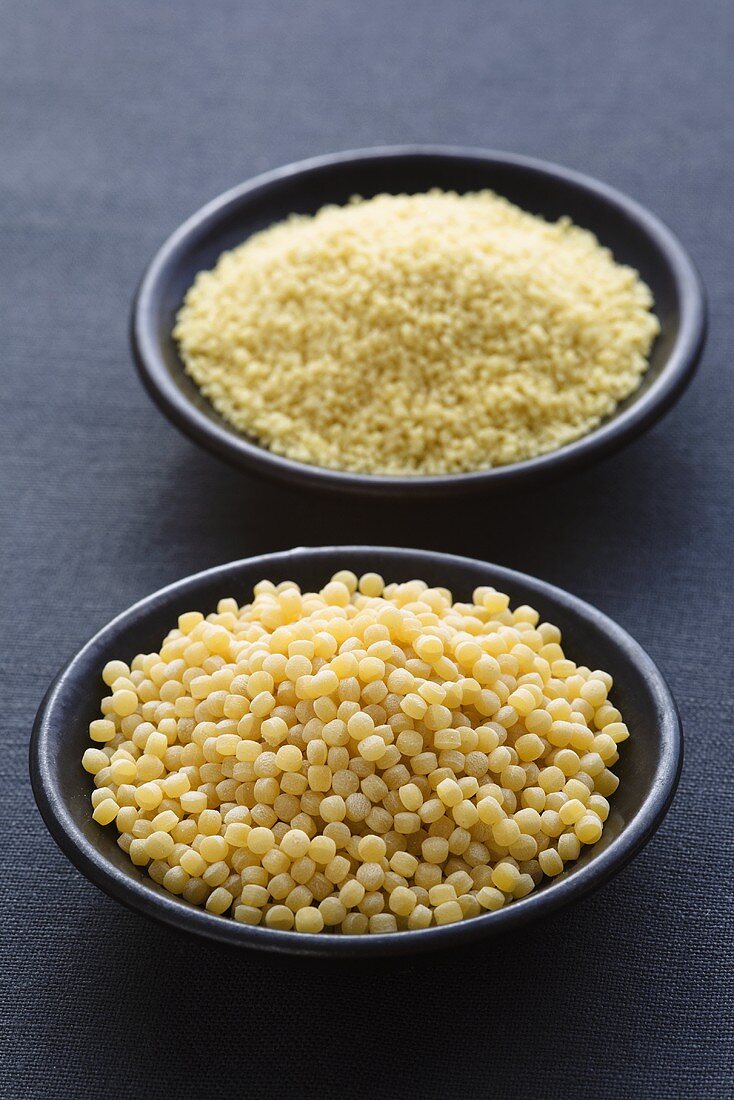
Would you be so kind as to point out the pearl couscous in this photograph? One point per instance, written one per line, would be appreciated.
(417, 334)
(368, 758)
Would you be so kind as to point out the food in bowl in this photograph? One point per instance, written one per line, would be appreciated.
(423, 334)
(369, 758)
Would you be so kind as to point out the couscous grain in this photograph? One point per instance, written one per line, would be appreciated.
(416, 335)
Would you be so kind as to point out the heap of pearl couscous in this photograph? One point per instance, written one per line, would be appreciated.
(366, 758)
(417, 334)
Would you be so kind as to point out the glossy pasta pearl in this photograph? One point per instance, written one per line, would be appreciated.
(333, 762)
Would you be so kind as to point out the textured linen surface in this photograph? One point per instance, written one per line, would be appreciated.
(117, 121)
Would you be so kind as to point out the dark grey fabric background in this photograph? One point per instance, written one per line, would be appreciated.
(116, 121)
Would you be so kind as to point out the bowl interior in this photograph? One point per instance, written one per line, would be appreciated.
(536, 189)
(648, 759)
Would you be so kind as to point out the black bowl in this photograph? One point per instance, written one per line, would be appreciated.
(635, 236)
(648, 768)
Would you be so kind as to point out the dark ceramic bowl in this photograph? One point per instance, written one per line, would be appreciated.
(635, 236)
(648, 768)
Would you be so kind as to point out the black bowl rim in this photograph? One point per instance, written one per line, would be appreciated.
(237, 449)
(139, 896)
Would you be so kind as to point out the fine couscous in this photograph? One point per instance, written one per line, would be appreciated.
(417, 334)
(368, 758)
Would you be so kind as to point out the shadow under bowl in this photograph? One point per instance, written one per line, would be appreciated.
(635, 236)
(648, 768)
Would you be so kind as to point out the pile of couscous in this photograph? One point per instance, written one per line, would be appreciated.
(368, 758)
(417, 334)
